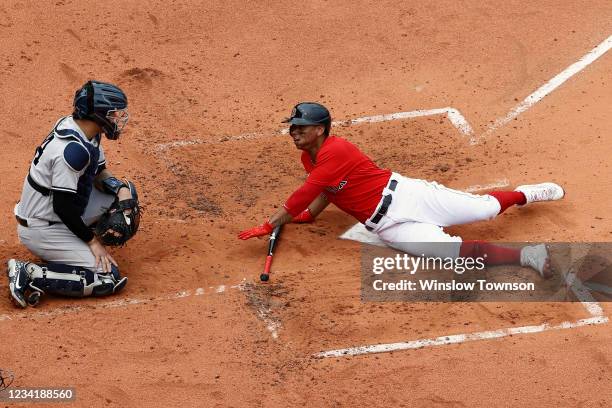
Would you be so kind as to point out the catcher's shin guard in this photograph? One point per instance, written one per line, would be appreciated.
(67, 280)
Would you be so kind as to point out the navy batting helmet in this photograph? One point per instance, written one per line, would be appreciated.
(104, 104)
(310, 113)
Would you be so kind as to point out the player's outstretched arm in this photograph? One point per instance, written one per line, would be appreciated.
(281, 217)
(308, 193)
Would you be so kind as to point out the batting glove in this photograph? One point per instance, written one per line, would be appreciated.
(303, 217)
(265, 229)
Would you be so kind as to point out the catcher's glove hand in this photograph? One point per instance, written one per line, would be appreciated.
(120, 222)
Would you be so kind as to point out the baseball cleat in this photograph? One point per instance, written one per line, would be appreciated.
(538, 258)
(541, 192)
(33, 298)
(18, 281)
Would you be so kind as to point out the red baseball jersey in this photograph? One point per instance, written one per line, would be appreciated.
(346, 176)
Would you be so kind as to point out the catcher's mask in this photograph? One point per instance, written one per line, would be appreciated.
(105, 104)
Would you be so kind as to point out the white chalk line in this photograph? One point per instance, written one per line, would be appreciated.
(263, 311)
(459, 338)
(119, 303)
(581, 292)
(453, 115)
(272, 326)
(598, 287)
(359, 233)
(502, 183)
(584, 295)
(182, 143)
(549, 86)
(593, 308)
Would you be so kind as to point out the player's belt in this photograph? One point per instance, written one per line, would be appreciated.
(24, 222)
(386, 202)
(42, 190)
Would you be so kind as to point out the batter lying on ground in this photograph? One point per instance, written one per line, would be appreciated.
(406, 213)
(60, 207)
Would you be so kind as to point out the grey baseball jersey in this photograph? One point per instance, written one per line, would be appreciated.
(65, 161)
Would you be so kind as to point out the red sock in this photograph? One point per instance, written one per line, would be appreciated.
(508, 198)
(493, 254)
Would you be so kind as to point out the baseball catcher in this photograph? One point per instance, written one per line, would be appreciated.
(71, 205)
(405, 213)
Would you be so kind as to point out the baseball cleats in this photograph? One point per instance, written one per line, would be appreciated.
(18, 281)
(538, 258)
(541, 192)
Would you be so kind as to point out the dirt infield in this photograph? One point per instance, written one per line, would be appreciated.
(208, 84)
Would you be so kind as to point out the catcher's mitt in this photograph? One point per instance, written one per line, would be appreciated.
(120, 222)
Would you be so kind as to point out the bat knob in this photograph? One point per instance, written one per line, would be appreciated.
(264, 277)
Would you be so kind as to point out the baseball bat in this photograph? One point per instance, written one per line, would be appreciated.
(274, 238)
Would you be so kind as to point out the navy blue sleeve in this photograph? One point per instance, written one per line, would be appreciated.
(76, 156)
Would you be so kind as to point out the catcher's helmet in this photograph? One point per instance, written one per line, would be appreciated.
(310, 113)
(104, 104)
